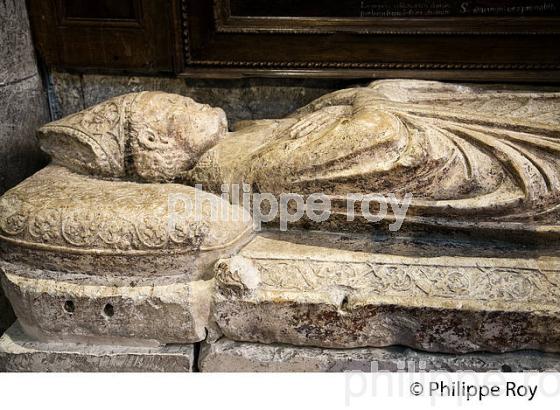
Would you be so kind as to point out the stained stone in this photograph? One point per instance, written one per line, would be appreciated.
(229, 356)
(69, 307)
(21, 353)
(22, 110)
(468, 157)
(67, 95)
(24, 104)
(99, 88)
(276, 291)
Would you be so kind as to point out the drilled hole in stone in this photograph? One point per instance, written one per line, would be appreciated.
(344, 303)
(69, 306)
(109, 310)
(506, 368)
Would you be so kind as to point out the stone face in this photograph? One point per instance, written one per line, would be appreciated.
(285, 292)
(59, 220)
(228, 356)
(21, 353)
(470, 157)
(54, 306)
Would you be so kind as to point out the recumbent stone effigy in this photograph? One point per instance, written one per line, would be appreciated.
(89, 255)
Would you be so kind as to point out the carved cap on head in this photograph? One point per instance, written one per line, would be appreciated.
(148, 136)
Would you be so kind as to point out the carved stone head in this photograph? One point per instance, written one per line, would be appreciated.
(168, 133)
(147, 136)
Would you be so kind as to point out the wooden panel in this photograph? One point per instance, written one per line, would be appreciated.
(372, 38)
(135, 35)
(100, 9)
(484, 40)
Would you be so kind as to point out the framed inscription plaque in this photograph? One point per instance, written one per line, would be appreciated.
(505, 40)
(384, 16)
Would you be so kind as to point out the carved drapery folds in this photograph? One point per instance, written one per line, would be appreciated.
(470, 156)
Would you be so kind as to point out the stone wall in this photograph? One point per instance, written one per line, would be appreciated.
(23, 107)
(242, 99)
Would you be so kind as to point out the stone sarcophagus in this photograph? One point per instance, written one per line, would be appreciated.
(438, 230)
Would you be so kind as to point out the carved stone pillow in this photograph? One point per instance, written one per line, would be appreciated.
(147, 136)
(63, 221)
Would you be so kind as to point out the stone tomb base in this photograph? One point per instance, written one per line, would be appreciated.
(439, 297)
(20, 353)
(230, 356)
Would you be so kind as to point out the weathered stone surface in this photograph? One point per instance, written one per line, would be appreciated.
(285, 292)
(59, 220)
(253, 99)
(66, 94)
(53, 306)
(21, 353)
(17, 60)
(471, 157)
(243, 99)
(23, 107)
(21, 112)
(228, 356)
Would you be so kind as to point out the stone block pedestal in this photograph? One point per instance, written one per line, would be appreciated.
(230, 356)
(20, 353)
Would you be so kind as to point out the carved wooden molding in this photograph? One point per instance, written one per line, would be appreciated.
(136, 20)
(375, 46)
